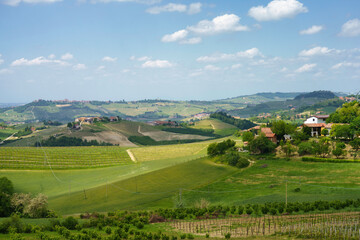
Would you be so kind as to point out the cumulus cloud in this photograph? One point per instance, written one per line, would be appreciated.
(306, 68)
(316, 51)
(174, 7)
(194, 40)
(346, 64)
(1, 60)
(250, 53)
(211, 68)
(351, 28)
(79, 66)
(36, 61)
(176, 36)
(67, 56)
(5, 71)
(148, 2)
(100, 68)
(277, 9)
(157, 64)
(312, 30)
(219, 24)
(109, 59)
(15, 3)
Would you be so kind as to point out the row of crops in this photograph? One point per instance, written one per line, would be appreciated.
(314, 226)
(62, 157)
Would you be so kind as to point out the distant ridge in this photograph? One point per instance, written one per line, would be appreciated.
(316, 94)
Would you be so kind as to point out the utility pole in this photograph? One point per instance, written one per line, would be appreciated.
(106, 189)
(286, 193)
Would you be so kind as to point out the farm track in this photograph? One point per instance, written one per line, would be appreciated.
(131, 155)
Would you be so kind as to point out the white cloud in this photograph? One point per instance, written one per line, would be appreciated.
(211, 68)
(109, 59)
(351, 28)
(176, 36)
(15, 3)
(143, 59)
(220, 24)
(171, 7)
(174, 7)
(5, 71)
(284, 69)
(194, 8)
(100, 68)
(250, 53)
(36, 61)
(346, 64)
(312, 30)
(157, 64)
(236, 66)
(194, 40)
(148, 2)
(277, 9)
(1, 60)
(316, 51)
(51, 56)
(79, 66)
(67, 56)
(306, 68)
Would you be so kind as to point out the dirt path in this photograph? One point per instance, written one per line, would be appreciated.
(131, 155)
(212, 125)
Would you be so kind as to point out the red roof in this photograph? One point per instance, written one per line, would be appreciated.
(268, 132)
(322, 116)
(315, 124)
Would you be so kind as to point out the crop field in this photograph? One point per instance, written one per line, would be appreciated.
(152, 190)
(314, 226)
(62, 157)
(170, 151)
(219, 127)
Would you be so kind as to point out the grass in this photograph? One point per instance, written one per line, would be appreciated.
(4, 133)
(266, 180)
(62, 157)
(219, 127)
(156, 189)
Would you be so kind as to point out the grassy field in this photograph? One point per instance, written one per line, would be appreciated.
(156, 189)
(62, 157)
(4, 133)
(219, 127)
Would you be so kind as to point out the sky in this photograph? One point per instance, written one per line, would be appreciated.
(177, 50)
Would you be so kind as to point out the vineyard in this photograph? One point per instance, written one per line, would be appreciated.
(313, 226)
(62, 157)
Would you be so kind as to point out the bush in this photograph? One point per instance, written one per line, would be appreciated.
(261, 145)
(108, 230)
(305, 148)
(70, 223)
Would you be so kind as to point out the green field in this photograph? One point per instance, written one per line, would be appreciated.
(219, 127)
(62, 157)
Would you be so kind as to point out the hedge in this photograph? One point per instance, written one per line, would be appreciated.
(332, 160)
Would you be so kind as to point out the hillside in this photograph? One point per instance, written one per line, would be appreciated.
(302, 101)
(144, 110)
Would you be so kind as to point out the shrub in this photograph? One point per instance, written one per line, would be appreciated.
(108, 230)
(227, 236)
(70, 223)
(305, 148)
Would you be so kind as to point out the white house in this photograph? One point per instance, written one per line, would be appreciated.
(317, 119)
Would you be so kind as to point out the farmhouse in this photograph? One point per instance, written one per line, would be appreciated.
(269, 134)
(317, 124)
(113, 119)
(87, 120)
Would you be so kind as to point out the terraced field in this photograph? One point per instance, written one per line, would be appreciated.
(62, 157)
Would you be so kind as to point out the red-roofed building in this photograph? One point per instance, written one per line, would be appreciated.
(269, 134)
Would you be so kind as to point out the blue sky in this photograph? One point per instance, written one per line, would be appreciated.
(181, 50)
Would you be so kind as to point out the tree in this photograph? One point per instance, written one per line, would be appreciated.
(342, 132)
(220, 148)
(355, 145)
(324, 132)
(6, 186)
(339, 151)
(288, 149)
(248, 136)
(346, 114)
(322, 147)
(305, 148)
(70, 125)
(280, 128)
(262, 145)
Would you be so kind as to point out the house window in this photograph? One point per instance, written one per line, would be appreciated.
(313, 119)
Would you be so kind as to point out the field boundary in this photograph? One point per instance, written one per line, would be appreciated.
(131, 155)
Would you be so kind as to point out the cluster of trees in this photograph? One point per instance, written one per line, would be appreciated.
(24, 132)
(225, 152)
(69, 142)
(22, 204)
(51, 123)
(239, 123)
(316, 94)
